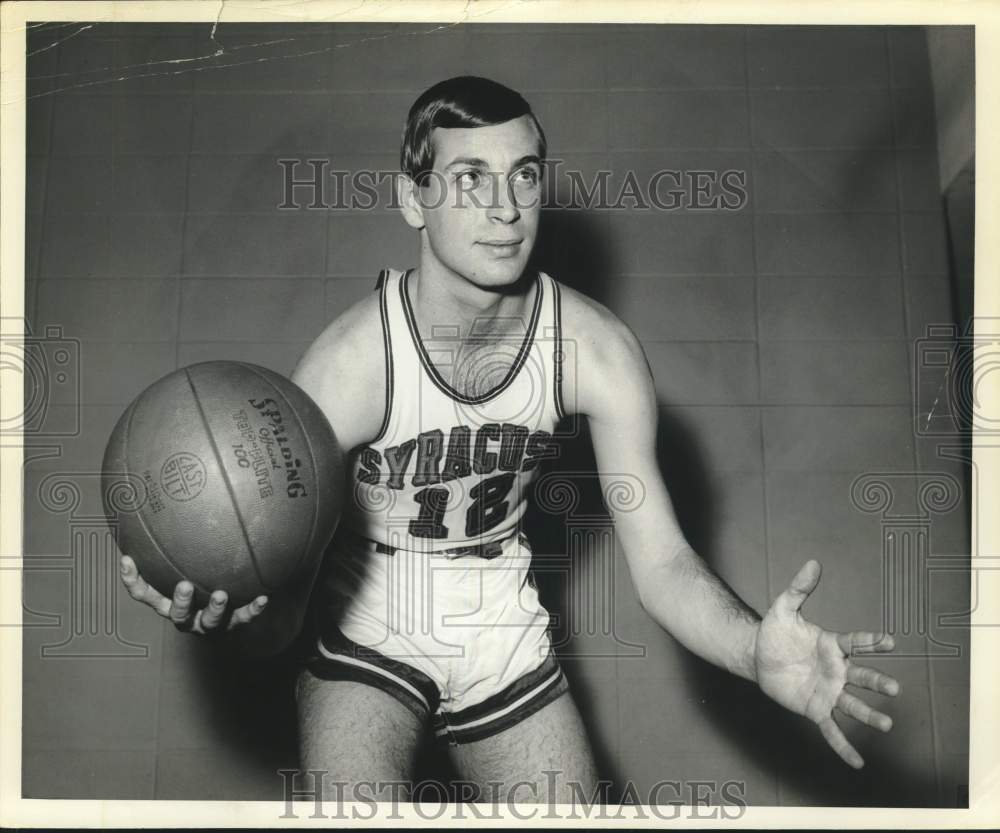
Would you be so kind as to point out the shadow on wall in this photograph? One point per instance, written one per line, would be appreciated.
(571, 248)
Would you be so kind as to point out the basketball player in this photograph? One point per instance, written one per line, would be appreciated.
(445, 386)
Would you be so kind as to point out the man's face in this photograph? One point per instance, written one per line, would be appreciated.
(482, 203)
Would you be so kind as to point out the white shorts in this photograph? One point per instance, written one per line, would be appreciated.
(460, 639)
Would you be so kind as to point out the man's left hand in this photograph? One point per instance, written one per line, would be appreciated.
(806, 669)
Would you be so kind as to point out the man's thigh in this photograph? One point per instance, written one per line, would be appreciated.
(354, 732)
(544, 758)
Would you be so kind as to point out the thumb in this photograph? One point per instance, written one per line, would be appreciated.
(802, 585)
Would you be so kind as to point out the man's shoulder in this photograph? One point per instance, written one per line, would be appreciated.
(344, 370)
(602, 347)
(594, 329)
(350, 338)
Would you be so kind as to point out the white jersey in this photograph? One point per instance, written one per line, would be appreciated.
(448, 470)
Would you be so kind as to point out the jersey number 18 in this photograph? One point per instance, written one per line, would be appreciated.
(488, 509)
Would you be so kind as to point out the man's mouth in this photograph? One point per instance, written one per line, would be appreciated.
(502, 247)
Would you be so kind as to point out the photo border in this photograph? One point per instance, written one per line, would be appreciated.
(984, 774)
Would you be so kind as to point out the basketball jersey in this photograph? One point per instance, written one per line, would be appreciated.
(449, 469)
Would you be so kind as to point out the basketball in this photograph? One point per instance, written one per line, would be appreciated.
(225, 474)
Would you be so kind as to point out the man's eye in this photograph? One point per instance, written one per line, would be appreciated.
(526, 176)
(469, 178)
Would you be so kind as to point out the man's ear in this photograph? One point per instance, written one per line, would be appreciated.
(408, 194)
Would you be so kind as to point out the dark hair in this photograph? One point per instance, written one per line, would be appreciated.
(465, 101)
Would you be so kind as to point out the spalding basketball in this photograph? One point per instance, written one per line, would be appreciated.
(225, 474)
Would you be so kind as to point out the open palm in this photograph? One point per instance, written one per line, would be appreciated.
(806, 669)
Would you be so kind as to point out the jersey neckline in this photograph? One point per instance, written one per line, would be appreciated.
(442, 384)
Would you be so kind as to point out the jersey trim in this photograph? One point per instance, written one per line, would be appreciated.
(558, 356)
(438, 380)
(383, 307)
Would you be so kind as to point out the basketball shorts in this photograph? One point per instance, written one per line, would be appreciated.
(460, 640)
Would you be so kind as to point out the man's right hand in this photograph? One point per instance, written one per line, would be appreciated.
(211, 620)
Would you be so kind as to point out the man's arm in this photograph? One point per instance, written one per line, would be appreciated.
(345, 376)
(674, 585)
(795, 662)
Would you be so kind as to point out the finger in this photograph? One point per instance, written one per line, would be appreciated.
(865, 642)
(180, 609)
(212, 615)
(840, 744)
(858, 709)
(802, 585)
(139, 590)
(872, 679)
(244, 614)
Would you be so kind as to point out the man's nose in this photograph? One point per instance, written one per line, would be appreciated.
(503, 206)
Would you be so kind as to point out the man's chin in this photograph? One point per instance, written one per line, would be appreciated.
(501, 273)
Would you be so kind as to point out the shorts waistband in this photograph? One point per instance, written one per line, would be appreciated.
(488, 549)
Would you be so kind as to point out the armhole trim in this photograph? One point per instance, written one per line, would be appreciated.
(383, 284)
(557, 354)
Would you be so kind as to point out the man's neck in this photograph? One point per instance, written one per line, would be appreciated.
(444, 300)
